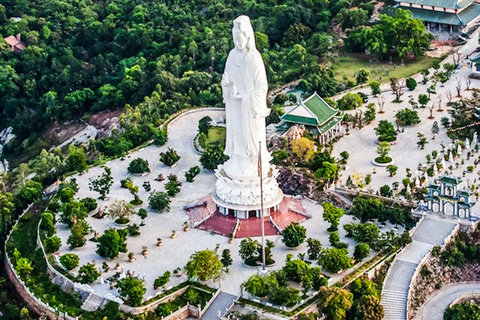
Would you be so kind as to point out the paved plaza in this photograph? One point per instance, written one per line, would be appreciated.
(174, 253)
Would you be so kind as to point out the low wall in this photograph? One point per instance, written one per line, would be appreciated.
(152, 306)
(33, 302)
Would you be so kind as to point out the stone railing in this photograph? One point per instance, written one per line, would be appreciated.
(420, 265)
(209, 303)
(32, 301)
(356, 192)
(154, 304)
(464, 296)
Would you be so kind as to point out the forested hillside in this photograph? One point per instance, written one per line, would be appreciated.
(86, 56)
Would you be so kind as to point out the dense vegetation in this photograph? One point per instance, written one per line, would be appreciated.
(155, 58)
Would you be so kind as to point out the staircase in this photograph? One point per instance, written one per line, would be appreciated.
(430, 232)
(220, 305)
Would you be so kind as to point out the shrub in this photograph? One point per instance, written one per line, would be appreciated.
(111, 243)
(411, 83)
(212, 157)
(279, 156)
(69, 261)
(89, 203)
(192, 173)
(88, 273)
(361, 251)
(335, 260)
(138, 165)
(294, 235)
(169, 158)
(159, 201)
(52, 244)
(350, 101)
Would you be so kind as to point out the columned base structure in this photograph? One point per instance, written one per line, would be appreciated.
(241, 198)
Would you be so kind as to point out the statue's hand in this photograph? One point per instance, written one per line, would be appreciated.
(236, 96)
(225, 80)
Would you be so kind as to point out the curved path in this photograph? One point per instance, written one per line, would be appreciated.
(435, 307)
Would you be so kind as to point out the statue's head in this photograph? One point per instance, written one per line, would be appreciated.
(243, 36)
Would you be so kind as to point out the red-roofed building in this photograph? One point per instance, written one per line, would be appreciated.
(16, 43)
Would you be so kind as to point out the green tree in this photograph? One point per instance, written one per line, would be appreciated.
(192, 173)
(76, 160)
(52, 244)
(69, 261)
(422, 141)
(204, 265)
(335, 260)
(162, 280)
(120, 211)
(396, 87)
(314, 248)
(383, 149)
(138, 165)
(77, 234)
(212, 157)
(392, 169)
(350, 101)
(369, 307)
(23, 268)
(132, 289)
(362, 251)
(335, 302)
(294, 235)
(362, 76)
(369, 114)
(249, 249)
(111, 243)
(226, 259)
(462, 311)
(159, 201)
(102, 183)
(411, 83)
(385, 191)
(169, 158)
(407, 116)
(88, 273)
(327, 171)
(386, 131)
(204, 125)
(332, 215)
(257, 285)
(375, 86)
(423, 99)
(435, 128)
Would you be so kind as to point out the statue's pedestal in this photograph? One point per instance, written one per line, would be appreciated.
(241, 198)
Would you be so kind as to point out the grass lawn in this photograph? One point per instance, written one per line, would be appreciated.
(350, 64)
(216, 135)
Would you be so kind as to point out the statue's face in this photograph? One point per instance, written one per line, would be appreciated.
(239, 39)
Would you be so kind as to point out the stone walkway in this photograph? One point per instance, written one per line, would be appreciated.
(435, 307)
(395, 289)
(220, 305)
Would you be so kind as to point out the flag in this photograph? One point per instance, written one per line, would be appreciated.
(259, 164)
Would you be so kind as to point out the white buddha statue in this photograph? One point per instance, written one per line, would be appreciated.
(244, 87)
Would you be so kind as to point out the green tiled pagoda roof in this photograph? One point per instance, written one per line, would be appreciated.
(476, 58)
(320, 110)
(300, 120)
(451, 4)
(470, 13)
(464, 193)
(433, 186)
(328, 125)
(461, 19)
(436, 16)
(451, 180)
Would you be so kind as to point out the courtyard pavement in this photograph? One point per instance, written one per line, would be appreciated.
(362, 144)
(174, 253)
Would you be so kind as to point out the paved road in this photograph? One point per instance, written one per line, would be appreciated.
(222, 303)
(436, 306)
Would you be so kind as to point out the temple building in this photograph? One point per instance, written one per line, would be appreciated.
(444, 15)
(475, 60)
(444, 197)
(321, 120)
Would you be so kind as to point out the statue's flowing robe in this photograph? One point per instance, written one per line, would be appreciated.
(246, 116)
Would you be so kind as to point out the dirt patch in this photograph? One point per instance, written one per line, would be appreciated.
(58, 132)
(105, 121)
(440, 48)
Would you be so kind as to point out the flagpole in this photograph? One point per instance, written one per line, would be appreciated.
(260, 172)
